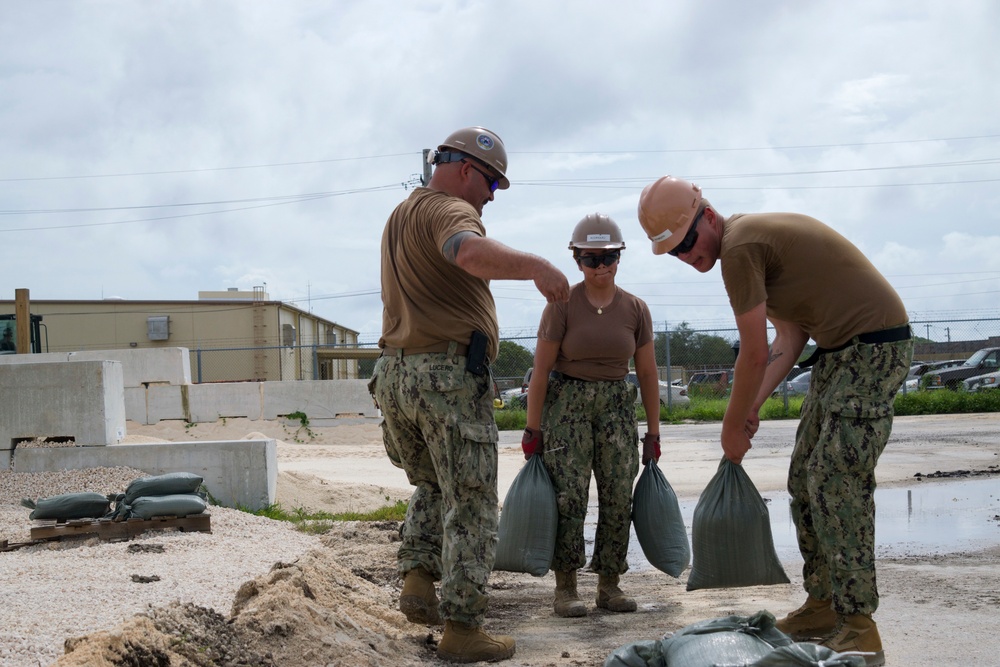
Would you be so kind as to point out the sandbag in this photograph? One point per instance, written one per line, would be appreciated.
(526, 537)
(162, 485)
(179, 504)
(804, 654)
(68, 506)
(731, 537)
(729, 640)
(658, 522)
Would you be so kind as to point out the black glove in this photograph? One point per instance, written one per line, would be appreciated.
(650, 448)
(531, 442)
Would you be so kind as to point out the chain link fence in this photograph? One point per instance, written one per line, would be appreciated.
(702, 359)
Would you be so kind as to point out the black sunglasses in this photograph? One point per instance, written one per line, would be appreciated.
(493, 182)
(689, 239)
(594, 261)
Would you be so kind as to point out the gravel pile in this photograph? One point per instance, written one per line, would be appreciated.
(58, 590)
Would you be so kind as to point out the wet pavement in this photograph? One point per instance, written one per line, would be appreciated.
(923, 518)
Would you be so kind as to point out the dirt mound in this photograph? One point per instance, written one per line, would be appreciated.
(313, 611)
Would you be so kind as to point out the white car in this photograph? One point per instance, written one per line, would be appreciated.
(676, 394)
(983, 382)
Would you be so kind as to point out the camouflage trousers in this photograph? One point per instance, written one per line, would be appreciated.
(591, 426)
(438, 426)
(846, 421)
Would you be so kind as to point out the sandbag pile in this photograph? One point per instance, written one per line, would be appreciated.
(732, 641)
(526, 536)
(171, 494)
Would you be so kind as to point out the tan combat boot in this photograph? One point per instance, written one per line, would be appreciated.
(610, 597)
(815, 619)
(467, 643)
(568, 603)
(418, 600)
(858, 633)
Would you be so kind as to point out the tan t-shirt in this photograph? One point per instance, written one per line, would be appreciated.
(427, 299)
(596, 347)
(808, 274)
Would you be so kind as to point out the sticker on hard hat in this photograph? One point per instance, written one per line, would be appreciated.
(485, 142)
(597, 238)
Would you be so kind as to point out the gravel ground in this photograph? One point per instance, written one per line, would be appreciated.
(58, 590)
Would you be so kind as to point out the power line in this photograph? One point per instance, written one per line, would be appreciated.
(586, 152)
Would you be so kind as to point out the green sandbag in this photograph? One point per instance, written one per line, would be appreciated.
(730, 640)
(526, 538)
(179, 504)
(658, 522)
(804, 654)
(731, 537)
(68, 506)
(162, 485)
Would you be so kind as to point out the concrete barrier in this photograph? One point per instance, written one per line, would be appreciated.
(165, 365)
(240, 473)
(82, 401)
(319, 399)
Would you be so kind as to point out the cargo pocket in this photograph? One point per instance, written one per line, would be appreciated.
(476, 461)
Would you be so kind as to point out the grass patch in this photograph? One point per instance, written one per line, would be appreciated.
(320, 522)
(937, 402)
(945, 402)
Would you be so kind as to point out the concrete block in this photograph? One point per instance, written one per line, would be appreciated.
(236, 472)
(166, 402)
(170, 365)
(84, 401)
(320, 399)
(135, 404)
(209, 402)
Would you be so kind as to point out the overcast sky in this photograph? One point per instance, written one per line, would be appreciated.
(152, 150)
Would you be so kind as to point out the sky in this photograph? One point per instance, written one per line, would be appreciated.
(155, 150)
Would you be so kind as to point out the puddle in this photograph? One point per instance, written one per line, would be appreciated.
(924, 518)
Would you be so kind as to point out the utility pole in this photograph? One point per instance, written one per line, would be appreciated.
(426, 178)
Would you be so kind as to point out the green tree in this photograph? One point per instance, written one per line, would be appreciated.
(513, 360)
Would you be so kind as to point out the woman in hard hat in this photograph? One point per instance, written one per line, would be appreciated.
(581, 412)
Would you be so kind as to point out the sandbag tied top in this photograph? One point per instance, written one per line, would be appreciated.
(69, 506)
(162, 485)
(526, 536)
(658, 522)
(731, 537)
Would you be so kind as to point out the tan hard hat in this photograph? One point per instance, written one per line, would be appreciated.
(597, 231)
(666, 210)
(483, 145)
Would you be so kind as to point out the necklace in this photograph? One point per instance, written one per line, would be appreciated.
(600, 309)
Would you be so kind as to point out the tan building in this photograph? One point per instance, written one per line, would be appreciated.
(233, 336)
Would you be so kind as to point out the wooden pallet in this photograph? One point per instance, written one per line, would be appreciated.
(108, 529)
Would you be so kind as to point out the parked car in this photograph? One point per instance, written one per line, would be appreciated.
(920, 368)
(518, 396)
(712, 384)
(984, 361)
(797, 386)
(985, 382)
(676, 394)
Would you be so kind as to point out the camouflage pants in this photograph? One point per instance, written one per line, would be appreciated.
(846, 421)
(591, 426)
(438, 426)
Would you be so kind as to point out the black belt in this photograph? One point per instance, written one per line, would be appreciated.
(873, 338)
(556, 375)
(460, 349)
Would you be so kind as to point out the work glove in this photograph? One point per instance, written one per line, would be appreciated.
(650, 448)
(531, 442)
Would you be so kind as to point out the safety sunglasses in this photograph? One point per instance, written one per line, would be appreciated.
(594, 261)
(689, 239)
(493, 182)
